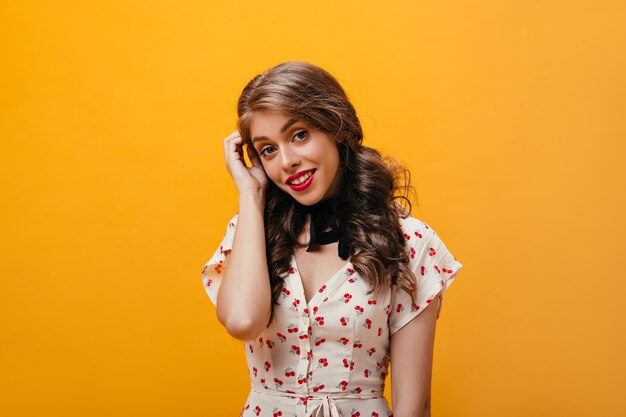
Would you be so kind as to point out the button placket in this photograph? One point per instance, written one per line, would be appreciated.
(304, 344)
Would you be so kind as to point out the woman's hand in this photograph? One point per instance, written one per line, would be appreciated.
(247, 179)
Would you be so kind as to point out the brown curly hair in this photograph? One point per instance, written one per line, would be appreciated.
(372, 183)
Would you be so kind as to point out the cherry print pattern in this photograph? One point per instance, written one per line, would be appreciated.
(338, 344)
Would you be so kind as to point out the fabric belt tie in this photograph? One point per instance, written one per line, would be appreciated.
(325, 407)
(320, 405)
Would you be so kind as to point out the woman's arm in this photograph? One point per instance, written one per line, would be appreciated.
(411, 364)
(244, 297)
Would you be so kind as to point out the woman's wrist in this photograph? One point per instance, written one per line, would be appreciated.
(254, 199)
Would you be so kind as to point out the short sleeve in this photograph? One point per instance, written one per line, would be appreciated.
(434, 268)
(213, 270)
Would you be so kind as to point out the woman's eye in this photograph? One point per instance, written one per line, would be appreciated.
(300, 133)
(265, 149)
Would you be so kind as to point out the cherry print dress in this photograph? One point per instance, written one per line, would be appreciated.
(330, 356)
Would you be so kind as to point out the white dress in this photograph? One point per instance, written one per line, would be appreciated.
(331, 357)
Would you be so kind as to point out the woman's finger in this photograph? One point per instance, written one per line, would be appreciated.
(230, 139)
(254, 157)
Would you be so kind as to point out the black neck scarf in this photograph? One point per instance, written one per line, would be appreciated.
(329, 213)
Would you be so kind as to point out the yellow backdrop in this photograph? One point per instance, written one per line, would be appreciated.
(510, 116)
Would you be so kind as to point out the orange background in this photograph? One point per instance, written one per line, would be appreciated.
(114, 192)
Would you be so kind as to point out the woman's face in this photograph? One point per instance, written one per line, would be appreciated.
(290, 149)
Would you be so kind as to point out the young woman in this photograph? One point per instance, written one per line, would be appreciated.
(322, 273)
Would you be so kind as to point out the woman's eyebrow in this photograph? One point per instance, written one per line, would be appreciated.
(282, 130)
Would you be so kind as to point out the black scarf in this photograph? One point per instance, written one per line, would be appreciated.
(329, 213)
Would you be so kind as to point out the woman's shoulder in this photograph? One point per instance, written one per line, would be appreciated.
(414, 226)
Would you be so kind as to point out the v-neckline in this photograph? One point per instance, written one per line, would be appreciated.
(330, 283)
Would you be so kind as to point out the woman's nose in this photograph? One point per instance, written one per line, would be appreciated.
(289, 158)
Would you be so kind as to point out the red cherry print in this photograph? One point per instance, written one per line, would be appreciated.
(422, 270)
(345, 363)
(368, 323)
(324, 300)
(260, 340)
(354, 412)
(399, 308)
(209, 282)
(254, 370)
(383, 375)
(281, 336)
(359, 309)
(323, 288)
(251, 348)
(371, 351)
(380, 331)
(319, 341)
(343, 321)
(387, 309)
(418, 234)
(358, 344)
(277, 413)
(285, 291)
(343, 340)
(351, 365)
(347, 297)
(317, 388)
(306, 311)
(357, 390)
(291, 270)
(278, 382)
(295, 349)
(323, 362)
(292, 328)
(350, 271)
(437, 269)
(429, 300)
(257, 410)
(270, 343)
(315, 309)
(431, 252)
(320, 320)
(309, 354)
(303, 336)
(352, 280)
(371, 301)
(412, 253)
(374, 414)
(366, 373)
(414, 307)
(267, 366)
(407, 237)
(310, 330)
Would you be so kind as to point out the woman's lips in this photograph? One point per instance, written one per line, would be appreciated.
(298, 175)
(304, 185)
